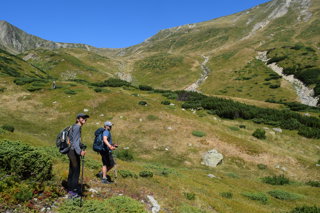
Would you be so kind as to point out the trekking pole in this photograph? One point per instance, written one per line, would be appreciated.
(81, 190)
(115, 169)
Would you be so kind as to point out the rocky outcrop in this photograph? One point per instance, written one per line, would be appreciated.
(16, 41)
(304, 93)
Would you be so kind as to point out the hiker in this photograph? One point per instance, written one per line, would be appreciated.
(106, 155)
(74, 155)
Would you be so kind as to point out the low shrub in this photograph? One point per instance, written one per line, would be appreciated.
(146, 174)
(189, 195)
(152, 117)
(24, 194)
(276, 180)
(309, 132)
(145, 87)
(70, 92)
(290, 124)
(198, 133)
(142, 103)
(165, 102)
(282, 195)
(124, 154)
(25, 161)
(2, 89)
(262, 166)
(313, 183)
(259, 133)
(115, 82)
(126, 174)
(261, 197)
(34, 88)
(234, 128)
(8, 127)
(306, 209)
(97, 90)
(242, 126)
(228, 195)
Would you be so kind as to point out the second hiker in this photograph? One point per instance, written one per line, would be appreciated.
(106, 155)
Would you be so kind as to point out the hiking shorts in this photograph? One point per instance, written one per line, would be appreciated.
(107, 158)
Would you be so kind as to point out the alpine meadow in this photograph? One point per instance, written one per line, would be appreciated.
(219, 116)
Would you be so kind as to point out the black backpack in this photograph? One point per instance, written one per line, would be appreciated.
(98, 144)
(63, 140)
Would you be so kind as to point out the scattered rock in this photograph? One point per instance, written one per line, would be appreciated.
(54, 102)
(140, 119)
(212, 158)
(183, 109)
(211, 176)
(126, 148)
(101, 115)
(169, 128)
(121, 116)
(317, 164)
(265, 128)
(155, 206)
(93, 190)
(189, 144)
(277, 130)
(307, 114)
(167, 149)
(85, 110)
(172, 104)
(97, 123)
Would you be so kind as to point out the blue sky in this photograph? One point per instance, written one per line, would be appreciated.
(112, 24)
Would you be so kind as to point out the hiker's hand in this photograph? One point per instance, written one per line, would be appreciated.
(82, 153)
(115, 145)
(112, 147)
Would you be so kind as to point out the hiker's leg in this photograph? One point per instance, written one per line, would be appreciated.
(74, 170)
(104, 164)
(111, 162)
(104, 172)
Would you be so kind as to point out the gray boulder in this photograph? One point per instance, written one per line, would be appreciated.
(212, 158)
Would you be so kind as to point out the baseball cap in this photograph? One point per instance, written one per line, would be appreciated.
(108, 123)
(82, 115)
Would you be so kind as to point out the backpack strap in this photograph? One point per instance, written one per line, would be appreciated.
(68, 138)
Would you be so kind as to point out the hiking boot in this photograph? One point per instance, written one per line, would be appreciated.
(105, 181)
(72, 195)
(100, 175)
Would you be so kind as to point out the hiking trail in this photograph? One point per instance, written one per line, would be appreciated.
(203, 77)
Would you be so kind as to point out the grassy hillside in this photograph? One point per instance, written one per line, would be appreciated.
(160, 139)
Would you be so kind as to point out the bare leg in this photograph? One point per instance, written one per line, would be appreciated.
(104, 172)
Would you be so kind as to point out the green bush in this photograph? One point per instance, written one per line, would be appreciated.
(25, 161)
(290, 124)
(115, 82)
(24, 194)
(145, 87)
(198, 133)
(165, 102)
(70, 92)
(146, 174)
(97, 89)
(34, 88)
(124, 154)
(313, 183)
(2, 89)
(276, 180)
(126, 173)
(242, 126)
(152, 117)
(309, 132)
(189, 195)
(8, 127)
(234, 128)
(142, 103)
(306, 209)
(282, 195)
(259, 133)
(262, 166)
(228, 195)
(261, 197)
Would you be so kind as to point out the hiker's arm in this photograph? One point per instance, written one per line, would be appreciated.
(76, 139)
(105, 140)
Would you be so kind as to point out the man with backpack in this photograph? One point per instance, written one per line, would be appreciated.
(106, 154)
(76, 150)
